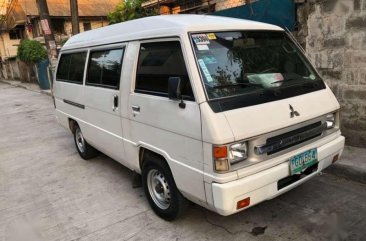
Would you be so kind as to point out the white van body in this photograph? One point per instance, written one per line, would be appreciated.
(186, 137)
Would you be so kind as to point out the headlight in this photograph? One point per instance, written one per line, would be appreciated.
(227, 155)
(238, 152)
(331, 120)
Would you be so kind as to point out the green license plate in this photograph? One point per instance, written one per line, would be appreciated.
(302, 161)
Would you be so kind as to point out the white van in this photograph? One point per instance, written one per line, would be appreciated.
(223, 112)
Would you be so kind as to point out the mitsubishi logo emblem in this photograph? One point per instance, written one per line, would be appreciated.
(293, 112)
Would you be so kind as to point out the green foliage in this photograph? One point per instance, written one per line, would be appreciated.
(129, 10)
(31, 51)
(63, 42)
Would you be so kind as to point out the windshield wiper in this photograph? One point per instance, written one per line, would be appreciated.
(309, 84)
(281, 81)
(287, 80)
(312, 84)
(233, 85)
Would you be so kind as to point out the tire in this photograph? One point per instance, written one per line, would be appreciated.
(160, 189)
(85, 150)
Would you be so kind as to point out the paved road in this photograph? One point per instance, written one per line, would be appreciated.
(48, 193)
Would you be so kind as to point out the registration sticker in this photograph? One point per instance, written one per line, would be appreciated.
(205, 71)
(202, 47)
(200, 39)
(209, 59)
(211, 36)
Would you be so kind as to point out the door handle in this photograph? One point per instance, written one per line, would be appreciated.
(135, 110)
(115, 102)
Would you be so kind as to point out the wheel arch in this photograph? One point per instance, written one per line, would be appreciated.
(177, 203)
(145, 153)
(72, 125)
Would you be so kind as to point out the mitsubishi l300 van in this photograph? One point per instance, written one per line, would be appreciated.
(223, 112)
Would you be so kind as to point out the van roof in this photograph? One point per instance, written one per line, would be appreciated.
(161, 26)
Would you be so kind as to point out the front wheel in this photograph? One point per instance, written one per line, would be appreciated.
(161, 191)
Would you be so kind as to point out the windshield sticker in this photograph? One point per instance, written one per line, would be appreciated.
(202, 47)
(200, 39)
(209, 59)
(211, 36)
(205, 70)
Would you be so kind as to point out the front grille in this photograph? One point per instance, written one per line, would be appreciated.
(281, 142)
(294, 133)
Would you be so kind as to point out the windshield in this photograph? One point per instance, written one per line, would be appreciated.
(246, 62)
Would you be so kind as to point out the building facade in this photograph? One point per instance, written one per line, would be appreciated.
(334, 34)
(192, 6)
(23, 21)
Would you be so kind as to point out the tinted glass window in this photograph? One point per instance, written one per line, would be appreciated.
(238, 63)
(77, 65)
(71, 67)
(105, 68)
(63, 67)
(245, 68)
(157, 62)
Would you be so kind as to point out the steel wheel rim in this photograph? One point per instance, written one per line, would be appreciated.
(158, 188)
(80, 141)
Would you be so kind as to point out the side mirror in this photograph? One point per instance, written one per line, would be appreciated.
(174, 88)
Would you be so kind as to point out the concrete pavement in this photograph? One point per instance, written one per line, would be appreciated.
(47, 192)
(352, 165)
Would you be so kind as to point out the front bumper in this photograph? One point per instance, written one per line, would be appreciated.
(263, 185)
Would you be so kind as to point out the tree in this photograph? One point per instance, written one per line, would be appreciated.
(31, 51)
(129, 10)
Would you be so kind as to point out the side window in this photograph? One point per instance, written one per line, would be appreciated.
(157, 62)
(71, 67)
(63, 67)
(105, 68)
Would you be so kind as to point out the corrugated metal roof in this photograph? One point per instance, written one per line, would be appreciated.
(57, 8)
(61, 8)
(151, 3)
(16, 17)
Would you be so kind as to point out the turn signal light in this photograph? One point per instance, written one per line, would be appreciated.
(220, 158)
(243, 203)
(335, 158)
(220, 152)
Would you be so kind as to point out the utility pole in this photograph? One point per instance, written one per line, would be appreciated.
(47, 31)
(74, 16)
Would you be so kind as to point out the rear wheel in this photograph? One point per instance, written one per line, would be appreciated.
(85, 150)
(161, 191)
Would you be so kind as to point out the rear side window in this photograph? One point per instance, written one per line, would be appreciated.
(71, 67)
(157, 62)
(105, 68)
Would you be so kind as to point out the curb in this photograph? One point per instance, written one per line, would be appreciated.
(347, 172)
(24, 87)
(45, 92)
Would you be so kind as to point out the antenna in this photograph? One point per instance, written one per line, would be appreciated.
(295, 40)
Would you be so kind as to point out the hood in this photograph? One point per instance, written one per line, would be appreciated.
(259, 119)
